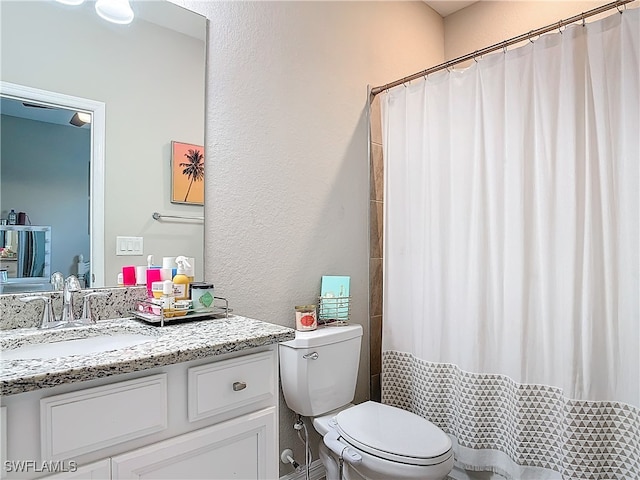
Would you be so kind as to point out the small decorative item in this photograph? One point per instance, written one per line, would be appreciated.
(306, 318)
(187, 173)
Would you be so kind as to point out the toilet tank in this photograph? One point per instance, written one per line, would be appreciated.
(319, 368)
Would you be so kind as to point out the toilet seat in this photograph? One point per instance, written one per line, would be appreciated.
(393, 434)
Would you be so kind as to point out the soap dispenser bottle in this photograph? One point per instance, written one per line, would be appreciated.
(167, 298)
(181, 280)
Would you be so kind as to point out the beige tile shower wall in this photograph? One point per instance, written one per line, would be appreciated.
(376, 198)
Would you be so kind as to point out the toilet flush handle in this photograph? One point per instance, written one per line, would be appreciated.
(311, 356)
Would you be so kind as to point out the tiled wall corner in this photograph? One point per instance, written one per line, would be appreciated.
(377, 173)
(376, 344)
(376, 121)
(375, 227)
(376, 211)
(375, 287)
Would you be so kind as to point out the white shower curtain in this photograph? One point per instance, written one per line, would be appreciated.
(511, 265)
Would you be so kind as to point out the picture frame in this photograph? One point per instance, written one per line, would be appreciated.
(187, 173)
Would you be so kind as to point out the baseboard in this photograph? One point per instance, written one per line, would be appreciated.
(316, 472)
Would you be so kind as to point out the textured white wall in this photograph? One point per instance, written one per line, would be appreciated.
(287, 187)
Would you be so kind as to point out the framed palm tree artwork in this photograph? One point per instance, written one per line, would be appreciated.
(187, 173)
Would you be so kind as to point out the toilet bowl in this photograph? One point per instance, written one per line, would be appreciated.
(392, 444)
(369, 441)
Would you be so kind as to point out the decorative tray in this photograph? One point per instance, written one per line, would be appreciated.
(152, 313)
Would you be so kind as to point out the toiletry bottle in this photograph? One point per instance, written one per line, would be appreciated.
(167, 295)
(192, 269)
(181, 280)
(153, 275)
(12, 217)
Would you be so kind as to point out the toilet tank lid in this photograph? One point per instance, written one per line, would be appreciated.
(324, 335)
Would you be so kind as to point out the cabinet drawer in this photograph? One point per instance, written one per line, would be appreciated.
(87, 420)
(231, 384)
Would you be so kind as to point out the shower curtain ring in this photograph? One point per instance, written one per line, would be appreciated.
(584, 23)
(560, 27)
(504, 47)
(475, 54)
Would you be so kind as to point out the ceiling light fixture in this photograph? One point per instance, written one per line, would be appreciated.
(115, 11)
(80, 119)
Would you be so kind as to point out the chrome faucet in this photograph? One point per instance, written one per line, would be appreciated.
(48, 317)
(68, 286)
(71, 284)
(88, 316)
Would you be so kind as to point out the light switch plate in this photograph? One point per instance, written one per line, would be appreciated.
(129, 246)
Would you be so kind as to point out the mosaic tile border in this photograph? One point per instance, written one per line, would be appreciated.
(535, 425)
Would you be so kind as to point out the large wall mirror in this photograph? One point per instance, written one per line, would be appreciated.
(143, 84)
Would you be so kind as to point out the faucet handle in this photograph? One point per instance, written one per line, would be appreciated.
(87, 311)
(72, 284)
(57, 281)
(48, 317)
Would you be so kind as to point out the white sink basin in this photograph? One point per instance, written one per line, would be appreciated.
(77, 346)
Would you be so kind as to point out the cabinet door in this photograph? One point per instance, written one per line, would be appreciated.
(242, 448)
(100, 470)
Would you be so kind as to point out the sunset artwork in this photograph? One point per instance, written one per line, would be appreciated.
(187, 173)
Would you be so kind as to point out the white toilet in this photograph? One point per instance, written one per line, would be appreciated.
(379, 442)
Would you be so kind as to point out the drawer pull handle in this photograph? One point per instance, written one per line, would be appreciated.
(237, 386)
(311, 356)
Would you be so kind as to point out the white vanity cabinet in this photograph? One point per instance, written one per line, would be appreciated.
(213, 418)
(100, 470)
(238, 448)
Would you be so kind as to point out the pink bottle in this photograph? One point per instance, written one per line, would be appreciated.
(153, 275)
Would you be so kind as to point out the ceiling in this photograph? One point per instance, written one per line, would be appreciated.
(447, 7)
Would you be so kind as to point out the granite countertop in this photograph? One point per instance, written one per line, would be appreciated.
(173, 343)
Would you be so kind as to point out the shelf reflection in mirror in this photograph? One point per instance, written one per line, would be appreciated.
(25, 257)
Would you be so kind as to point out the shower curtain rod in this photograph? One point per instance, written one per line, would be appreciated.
(503, 45)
